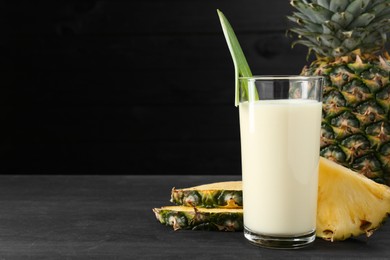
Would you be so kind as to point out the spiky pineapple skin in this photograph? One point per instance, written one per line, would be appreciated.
(356, 100)
(207, 198)
(198, 220)
(348, 38)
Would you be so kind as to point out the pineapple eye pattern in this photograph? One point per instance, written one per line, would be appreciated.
(176, 219)
(345, 119)
(375, 78)
(384, 96)
(356, 142)
(327, 135)
(333, 103)
(341, 76)
(355, 146)
(370, 112)
(380, 130)
(334, 153)
(368, 165)
(385, 149)
(231, 221)
(356, 92)
(230, 198)
(192, 199)
(345, 124)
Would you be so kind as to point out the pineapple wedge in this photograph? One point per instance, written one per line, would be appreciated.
(214, 195)
(182, 217)
(349, 204)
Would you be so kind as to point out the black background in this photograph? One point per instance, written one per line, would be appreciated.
(130, 87)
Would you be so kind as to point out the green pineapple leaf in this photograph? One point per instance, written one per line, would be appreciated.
(241, 67)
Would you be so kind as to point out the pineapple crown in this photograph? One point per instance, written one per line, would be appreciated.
(335, 28)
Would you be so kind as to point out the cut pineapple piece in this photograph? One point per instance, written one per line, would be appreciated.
(182, 217)
(349, 204)
(220, 194)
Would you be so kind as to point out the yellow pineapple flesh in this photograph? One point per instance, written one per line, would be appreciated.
(349, 204)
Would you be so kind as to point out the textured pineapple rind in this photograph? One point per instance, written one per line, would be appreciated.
(207, 198)
(355, 126)
(363, 204)
(348, 38)
(198, 220)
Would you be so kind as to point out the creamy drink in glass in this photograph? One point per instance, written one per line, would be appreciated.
(280, 121)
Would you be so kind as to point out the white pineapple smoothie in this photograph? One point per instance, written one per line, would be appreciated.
(280, 144)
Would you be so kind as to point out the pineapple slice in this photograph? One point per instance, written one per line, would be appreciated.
(217, 219)
(214, 195)
(349, 204)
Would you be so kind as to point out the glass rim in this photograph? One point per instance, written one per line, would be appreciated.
(280, 77)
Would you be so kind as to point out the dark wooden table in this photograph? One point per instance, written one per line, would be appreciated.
(110, 217)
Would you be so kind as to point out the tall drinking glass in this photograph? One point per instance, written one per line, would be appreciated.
(280, 121)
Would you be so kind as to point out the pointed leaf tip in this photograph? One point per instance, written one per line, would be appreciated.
(241, 67)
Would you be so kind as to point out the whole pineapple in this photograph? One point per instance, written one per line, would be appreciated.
(348, 38)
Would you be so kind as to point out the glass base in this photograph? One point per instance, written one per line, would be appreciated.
(280, 242)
